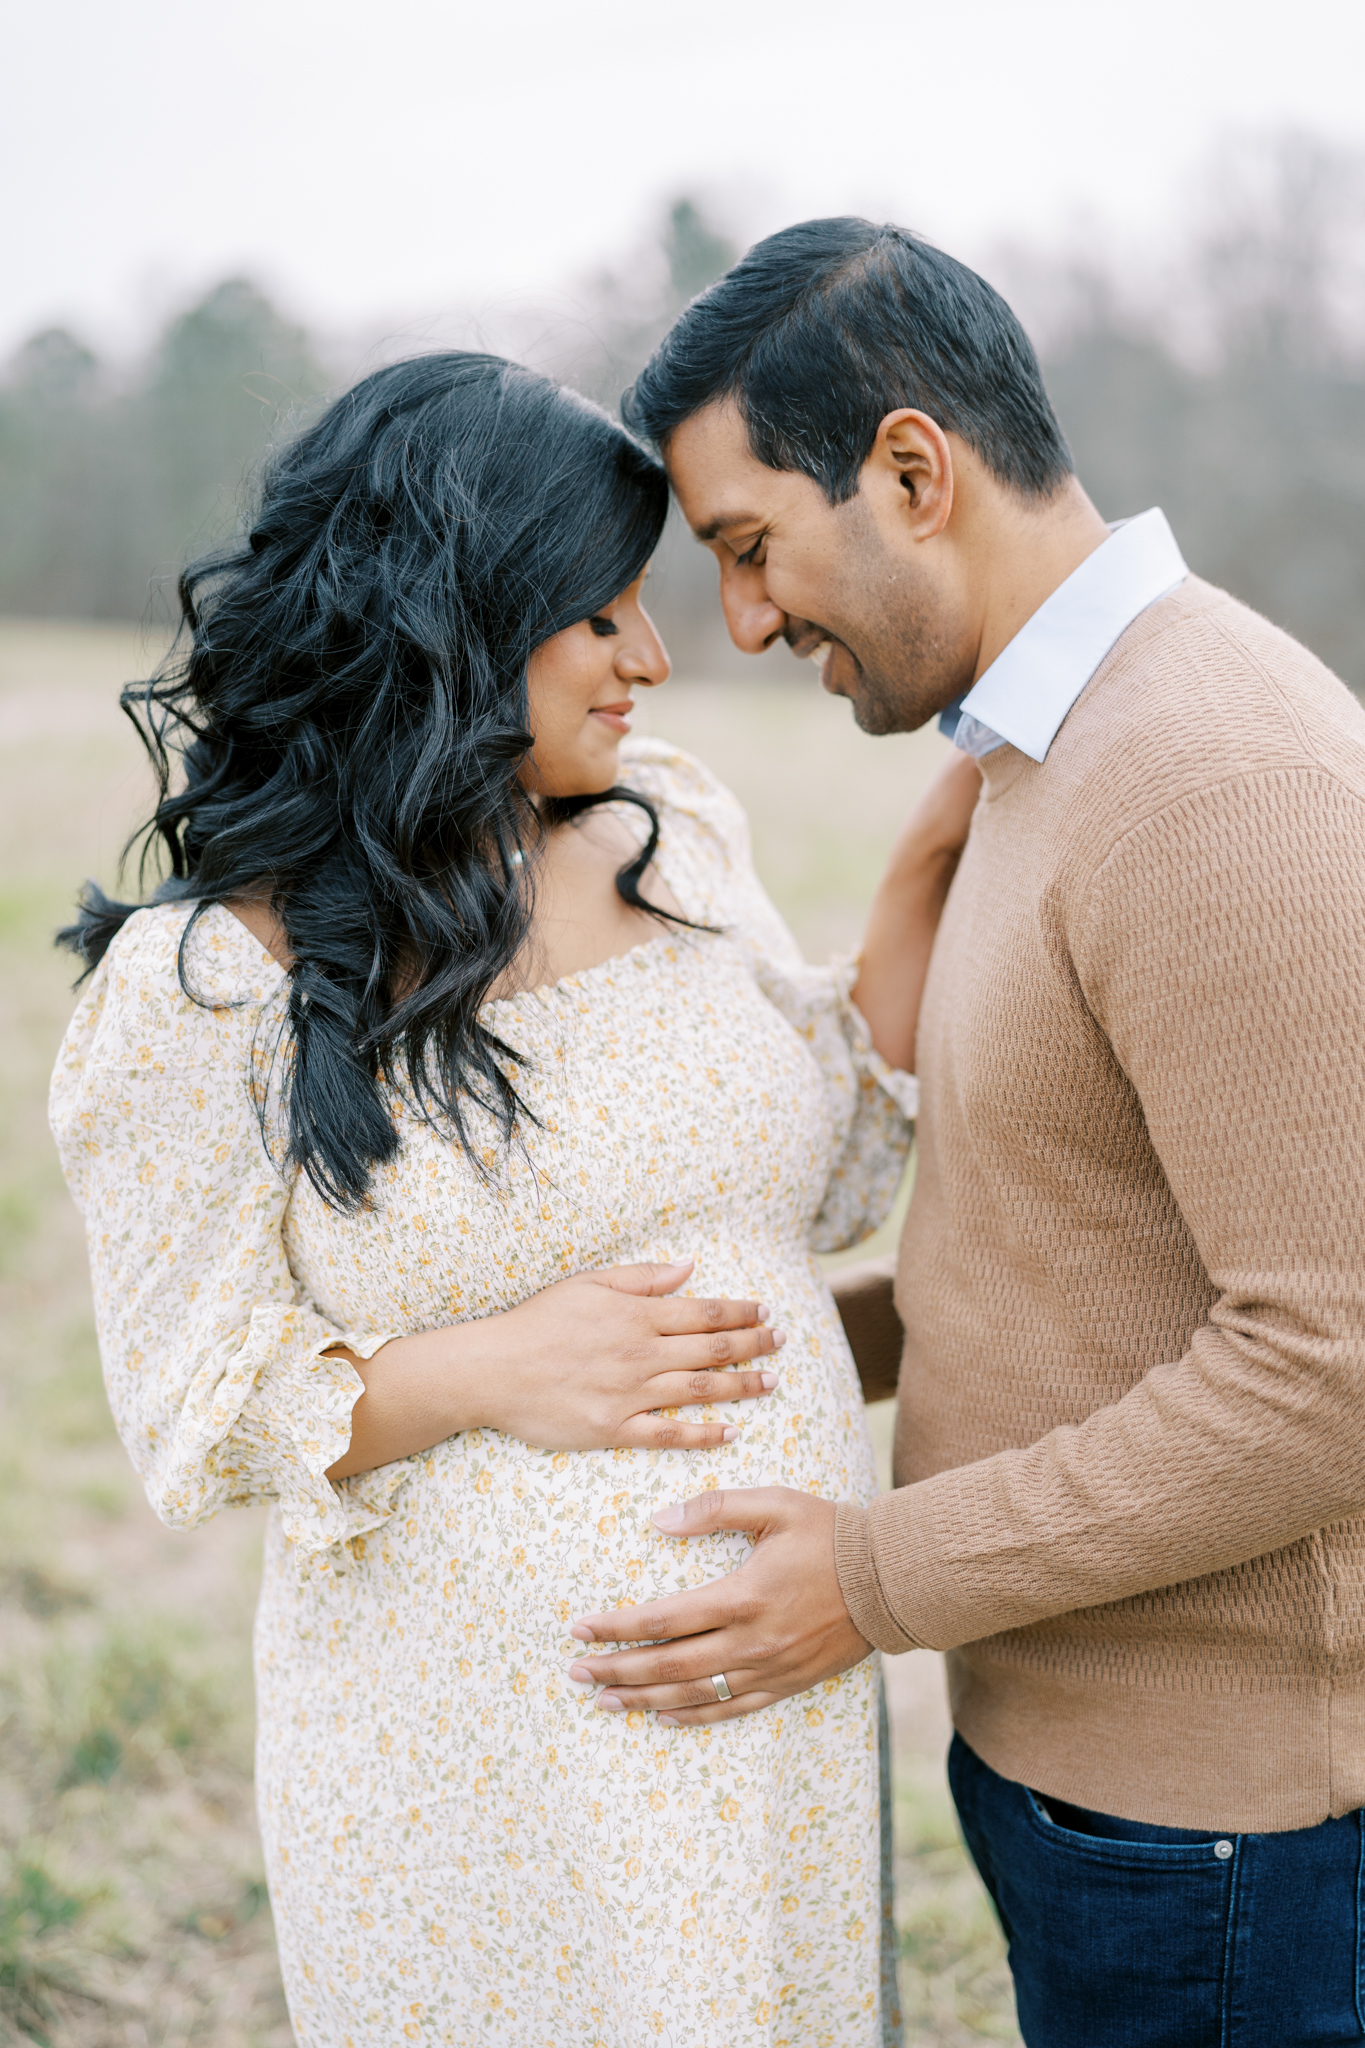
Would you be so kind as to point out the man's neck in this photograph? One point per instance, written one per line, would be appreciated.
(1026, 553)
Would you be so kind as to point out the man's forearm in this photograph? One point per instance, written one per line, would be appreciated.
(1205, 1464)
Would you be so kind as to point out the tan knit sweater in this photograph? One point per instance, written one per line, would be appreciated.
(1130, 1448)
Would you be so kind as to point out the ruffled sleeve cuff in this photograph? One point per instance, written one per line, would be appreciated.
(270, 1422)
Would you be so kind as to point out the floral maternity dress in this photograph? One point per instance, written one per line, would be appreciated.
(461, 1849)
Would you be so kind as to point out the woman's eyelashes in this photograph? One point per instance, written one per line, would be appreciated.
(603, 627)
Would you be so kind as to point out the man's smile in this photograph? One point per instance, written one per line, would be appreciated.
(809, 642)
(833, 660)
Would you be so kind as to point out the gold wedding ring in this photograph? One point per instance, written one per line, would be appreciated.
(722, 1689)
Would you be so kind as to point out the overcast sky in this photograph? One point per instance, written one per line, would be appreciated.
(402, 159)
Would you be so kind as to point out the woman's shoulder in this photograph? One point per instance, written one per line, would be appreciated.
(223, 962)
(677, 782)
(174, 990)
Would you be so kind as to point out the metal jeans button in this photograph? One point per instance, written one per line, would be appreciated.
(1222, 1850)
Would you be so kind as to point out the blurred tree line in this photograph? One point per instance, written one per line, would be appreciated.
(107, 483)
(1230, 390)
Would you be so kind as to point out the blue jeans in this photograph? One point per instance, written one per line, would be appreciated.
(1128, 1936)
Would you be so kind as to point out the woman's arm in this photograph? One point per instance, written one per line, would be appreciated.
(580, 1366)
(906, 909)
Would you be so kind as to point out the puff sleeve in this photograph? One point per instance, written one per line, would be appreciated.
(216, 1365)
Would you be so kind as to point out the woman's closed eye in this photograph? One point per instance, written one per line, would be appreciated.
(604, 627)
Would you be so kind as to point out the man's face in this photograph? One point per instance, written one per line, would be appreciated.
(844, 583)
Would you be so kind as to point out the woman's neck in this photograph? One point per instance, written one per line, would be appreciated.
(579, 919)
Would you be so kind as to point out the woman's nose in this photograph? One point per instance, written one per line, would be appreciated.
(755, 622)
(644, 658)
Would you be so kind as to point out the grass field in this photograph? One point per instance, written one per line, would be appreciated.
(132, 1908)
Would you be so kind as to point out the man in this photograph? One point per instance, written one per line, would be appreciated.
(1130, 1451)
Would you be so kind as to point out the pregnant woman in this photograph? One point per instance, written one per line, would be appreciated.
(455, 1129)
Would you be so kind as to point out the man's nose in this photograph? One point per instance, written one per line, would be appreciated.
(755, 622)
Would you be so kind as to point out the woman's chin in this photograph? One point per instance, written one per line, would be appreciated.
(591, 771)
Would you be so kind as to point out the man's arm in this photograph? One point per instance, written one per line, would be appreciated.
(1234, 997)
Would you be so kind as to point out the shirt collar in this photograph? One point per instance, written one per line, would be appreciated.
(1027, 691)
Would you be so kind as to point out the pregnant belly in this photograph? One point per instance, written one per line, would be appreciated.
(450, 1628)
(495, 1540)
(575, 1529)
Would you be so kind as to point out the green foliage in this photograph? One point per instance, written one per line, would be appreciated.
(109, 485)
(137, 1699)
(32, 1904)
(32, 1966)
(95, 1758)
(122, 1750)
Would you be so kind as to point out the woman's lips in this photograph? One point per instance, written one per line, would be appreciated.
(616, 716)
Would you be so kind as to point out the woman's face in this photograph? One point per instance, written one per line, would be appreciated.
(579, 685)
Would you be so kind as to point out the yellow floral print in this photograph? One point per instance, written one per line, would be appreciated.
(461, 1848)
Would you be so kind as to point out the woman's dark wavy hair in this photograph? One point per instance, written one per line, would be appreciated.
(347, 702)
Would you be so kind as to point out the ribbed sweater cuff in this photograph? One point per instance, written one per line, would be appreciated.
(860, 1585)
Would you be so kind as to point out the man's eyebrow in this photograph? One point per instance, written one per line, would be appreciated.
(714, 528)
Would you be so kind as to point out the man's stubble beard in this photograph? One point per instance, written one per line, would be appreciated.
(905, 671)
(907, 666)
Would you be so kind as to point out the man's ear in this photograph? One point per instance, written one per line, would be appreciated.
(910, 470)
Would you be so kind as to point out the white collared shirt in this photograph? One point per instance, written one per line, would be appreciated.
(1025, 694)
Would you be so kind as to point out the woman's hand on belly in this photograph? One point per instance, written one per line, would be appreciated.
(582, 1366)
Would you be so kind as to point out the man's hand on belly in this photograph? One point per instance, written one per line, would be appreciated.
(774, 1627)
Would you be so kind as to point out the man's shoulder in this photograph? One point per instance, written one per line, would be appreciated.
(1202, 689)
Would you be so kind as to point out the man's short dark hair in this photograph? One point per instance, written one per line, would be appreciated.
(825, 328)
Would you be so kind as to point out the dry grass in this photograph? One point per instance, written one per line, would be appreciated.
(132, 1907)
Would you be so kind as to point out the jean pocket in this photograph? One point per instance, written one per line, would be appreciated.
(1133, 1845)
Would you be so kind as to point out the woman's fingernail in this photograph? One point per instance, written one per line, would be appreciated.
(779, 1339)
(611, 1705)
(666, 1721)
(769, 1379)
(669, 1519)
(729, 1433)
(580, 1632)
(762, 1311)
(580, 1674)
